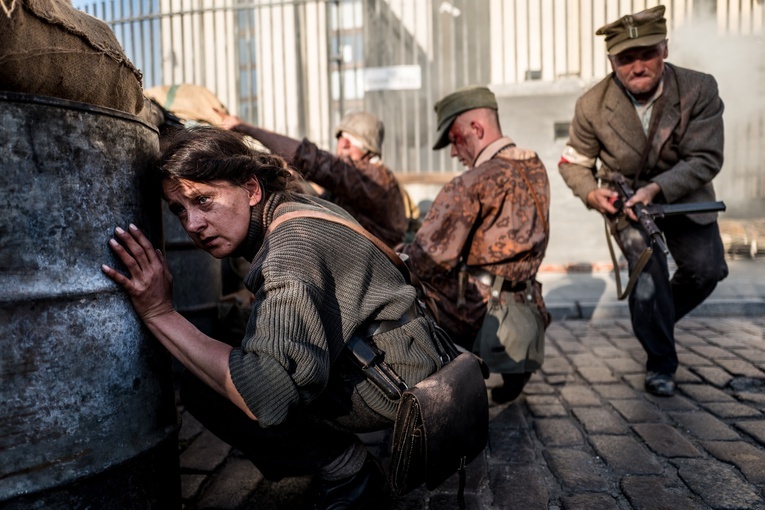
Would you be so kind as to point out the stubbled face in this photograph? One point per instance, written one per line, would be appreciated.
(345, 148)
(640, 69)
(215, 215)
(462, 147)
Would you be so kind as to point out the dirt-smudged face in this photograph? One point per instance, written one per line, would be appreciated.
(215, 215)
(640, 69)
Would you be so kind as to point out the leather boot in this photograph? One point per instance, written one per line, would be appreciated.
(512, 387)
(354, 492)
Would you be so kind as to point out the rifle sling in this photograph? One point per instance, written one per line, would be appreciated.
(658, 110)
(642, 261)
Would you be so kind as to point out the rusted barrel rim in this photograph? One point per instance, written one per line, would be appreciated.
(20, 97)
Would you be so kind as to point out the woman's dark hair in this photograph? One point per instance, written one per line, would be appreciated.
(206, 154)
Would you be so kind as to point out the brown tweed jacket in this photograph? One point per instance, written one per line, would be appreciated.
(687, 150)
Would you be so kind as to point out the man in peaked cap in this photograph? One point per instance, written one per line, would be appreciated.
(491, 221)
(661, 127)
(354, 177)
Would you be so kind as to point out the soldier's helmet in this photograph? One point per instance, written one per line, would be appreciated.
(364, 126)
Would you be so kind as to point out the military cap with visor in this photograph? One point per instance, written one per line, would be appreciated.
(646, 28)
(460, 101)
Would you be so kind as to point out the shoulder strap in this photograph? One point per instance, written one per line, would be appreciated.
(353, 226)
(658, 109)
(446, 344)
(545, 226)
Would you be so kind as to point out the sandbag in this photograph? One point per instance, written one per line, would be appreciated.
(49, 48)
(189, 102)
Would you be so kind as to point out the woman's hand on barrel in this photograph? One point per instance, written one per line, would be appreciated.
(150, 285)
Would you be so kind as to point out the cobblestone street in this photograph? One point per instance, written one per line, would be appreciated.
(584, 435)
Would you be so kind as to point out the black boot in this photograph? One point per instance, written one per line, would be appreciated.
(661, 385)
(354, 492)
(512, 387)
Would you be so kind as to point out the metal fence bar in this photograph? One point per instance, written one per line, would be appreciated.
(271, 61)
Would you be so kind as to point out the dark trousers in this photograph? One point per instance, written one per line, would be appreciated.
(658, 302)
(300, 447)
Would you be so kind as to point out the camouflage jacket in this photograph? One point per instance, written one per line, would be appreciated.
(486, 218)
(368, 191)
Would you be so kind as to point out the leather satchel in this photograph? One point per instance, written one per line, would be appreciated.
(442, 425)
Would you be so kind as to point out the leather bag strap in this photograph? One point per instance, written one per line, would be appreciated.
(409, 276)
(445, 348)
(658, 109)
(642, 261)
(545, 226)
(353, 226)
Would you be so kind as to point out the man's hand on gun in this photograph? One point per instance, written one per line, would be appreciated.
(602, 200)
(607, 201)
(634, 204)
(638, 207)
(644, 196)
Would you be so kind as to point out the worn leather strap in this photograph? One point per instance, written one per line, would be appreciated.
(642, 261)
(379, 327)
(410, 277)
(321, 215)
(658, 109)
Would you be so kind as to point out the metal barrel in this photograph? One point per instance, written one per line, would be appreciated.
(88, 416)
(196, 274)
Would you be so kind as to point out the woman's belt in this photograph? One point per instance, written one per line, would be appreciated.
(371, 360)
(377, 327)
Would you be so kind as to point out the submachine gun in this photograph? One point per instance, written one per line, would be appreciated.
(646, 214)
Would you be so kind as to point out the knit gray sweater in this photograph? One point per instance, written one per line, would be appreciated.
(314, 284)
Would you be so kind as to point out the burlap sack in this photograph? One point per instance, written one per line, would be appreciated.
(189, 102)
(48, 47)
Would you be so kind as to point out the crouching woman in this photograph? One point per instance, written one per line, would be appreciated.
(288, 397)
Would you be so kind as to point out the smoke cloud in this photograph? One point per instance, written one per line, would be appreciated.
(737, 61)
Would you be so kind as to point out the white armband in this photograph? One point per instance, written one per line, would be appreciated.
(570, 155)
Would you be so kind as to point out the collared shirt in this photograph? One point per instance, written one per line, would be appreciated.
(644, 110)
(492, 150)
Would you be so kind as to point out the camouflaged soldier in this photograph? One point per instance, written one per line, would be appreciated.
(661, 127)
(354, 178)
(490, 220)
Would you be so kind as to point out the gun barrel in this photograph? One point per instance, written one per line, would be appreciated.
(660, 210)
(645, 214)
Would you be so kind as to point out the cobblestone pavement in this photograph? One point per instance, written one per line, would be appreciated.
(584, 435)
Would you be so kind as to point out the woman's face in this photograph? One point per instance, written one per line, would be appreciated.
(215, 215)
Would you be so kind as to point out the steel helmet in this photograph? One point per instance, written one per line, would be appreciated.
(364, 126)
